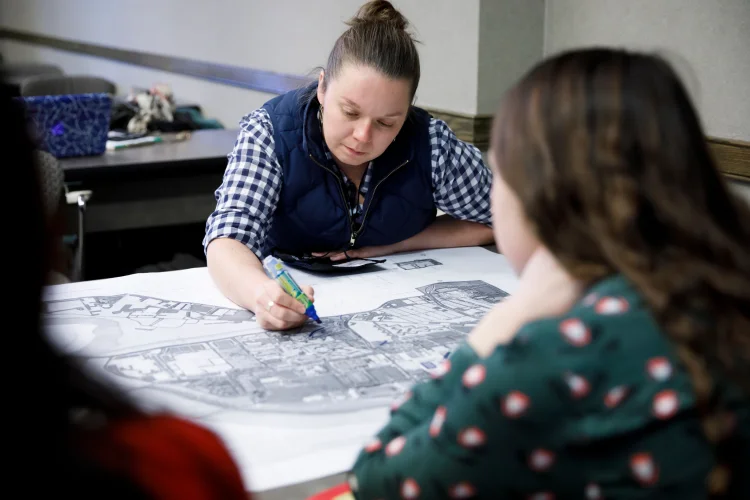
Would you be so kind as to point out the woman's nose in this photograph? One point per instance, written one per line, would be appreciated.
(363, 131)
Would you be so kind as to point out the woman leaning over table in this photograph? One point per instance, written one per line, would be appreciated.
(346, 167)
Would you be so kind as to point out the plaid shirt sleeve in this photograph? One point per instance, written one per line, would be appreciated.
(461, 181)
(249, 193)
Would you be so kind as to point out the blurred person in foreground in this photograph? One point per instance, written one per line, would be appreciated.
(620, 367)
(74, 434)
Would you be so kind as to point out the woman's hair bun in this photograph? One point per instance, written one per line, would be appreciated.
(379, 11)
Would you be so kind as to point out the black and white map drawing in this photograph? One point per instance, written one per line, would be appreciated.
(291, 406)
(219, 356)
(418, 264)
(111, 324)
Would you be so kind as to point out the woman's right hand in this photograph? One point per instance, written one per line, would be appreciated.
(277, 310)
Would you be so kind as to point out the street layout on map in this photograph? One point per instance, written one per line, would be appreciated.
(219, 356)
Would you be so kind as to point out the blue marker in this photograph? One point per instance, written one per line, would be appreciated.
(276, 271)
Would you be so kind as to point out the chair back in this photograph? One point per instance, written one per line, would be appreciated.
(23, 70)
(65, 84)
(55, 197)
(52, 180)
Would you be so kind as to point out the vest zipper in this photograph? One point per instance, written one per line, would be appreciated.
(352, 237)
(356, 234)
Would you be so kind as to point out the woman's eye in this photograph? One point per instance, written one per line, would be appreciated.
(386, 125)
(350, 114)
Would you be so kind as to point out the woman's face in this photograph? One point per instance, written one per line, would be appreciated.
(513, 232)
(363, 112)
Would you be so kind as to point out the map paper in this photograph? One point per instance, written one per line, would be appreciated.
(291, 406)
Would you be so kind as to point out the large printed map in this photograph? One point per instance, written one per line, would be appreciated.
(290, 406)
(349, 361)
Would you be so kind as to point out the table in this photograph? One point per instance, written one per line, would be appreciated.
(205, 151)
(151, 201)
(161, 184)
(301, 491)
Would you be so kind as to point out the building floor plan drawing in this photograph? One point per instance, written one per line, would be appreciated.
(171, 340)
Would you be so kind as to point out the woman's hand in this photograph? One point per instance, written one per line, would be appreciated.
(444, 232)
(277, 310)
(545, 289)
(360, 253)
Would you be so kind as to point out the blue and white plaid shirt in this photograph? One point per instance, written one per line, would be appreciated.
(249, 193)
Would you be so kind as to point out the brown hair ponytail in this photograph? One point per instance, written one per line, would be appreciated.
(377, 37)
(608, 157)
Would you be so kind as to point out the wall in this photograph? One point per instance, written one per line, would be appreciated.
(243, 33)
(511, 40)
(471, 50)
(708, 41)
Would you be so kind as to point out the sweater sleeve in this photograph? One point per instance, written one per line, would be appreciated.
(461, 180)
(471, 434)
(251, 187)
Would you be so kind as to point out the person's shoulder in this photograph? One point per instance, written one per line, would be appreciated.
(291, 103)
(607, 348)
(167, 455)
(157, 431)
(422, 119)
(615, 311)
(609, 338)
(444, 139)
(437, 126)
(606, 308)
(256, 119)
(607, 372)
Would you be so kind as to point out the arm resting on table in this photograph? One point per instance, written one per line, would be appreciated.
(236, 270)
(447, 232)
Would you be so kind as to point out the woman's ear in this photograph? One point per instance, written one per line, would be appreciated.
(321, 91)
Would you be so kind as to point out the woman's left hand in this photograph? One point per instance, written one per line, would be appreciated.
(444, 232)
(360, 253)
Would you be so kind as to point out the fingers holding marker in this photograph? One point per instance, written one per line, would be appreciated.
(276, 310)
(309, 292)
(288, 301)
(269, 322)
(283, 299)
(273, 316)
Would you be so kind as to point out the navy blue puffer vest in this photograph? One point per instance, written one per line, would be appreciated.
(312, 214)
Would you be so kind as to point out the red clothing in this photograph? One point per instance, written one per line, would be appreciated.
(167, 457)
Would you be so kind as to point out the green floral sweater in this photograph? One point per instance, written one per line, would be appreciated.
(591, 405)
